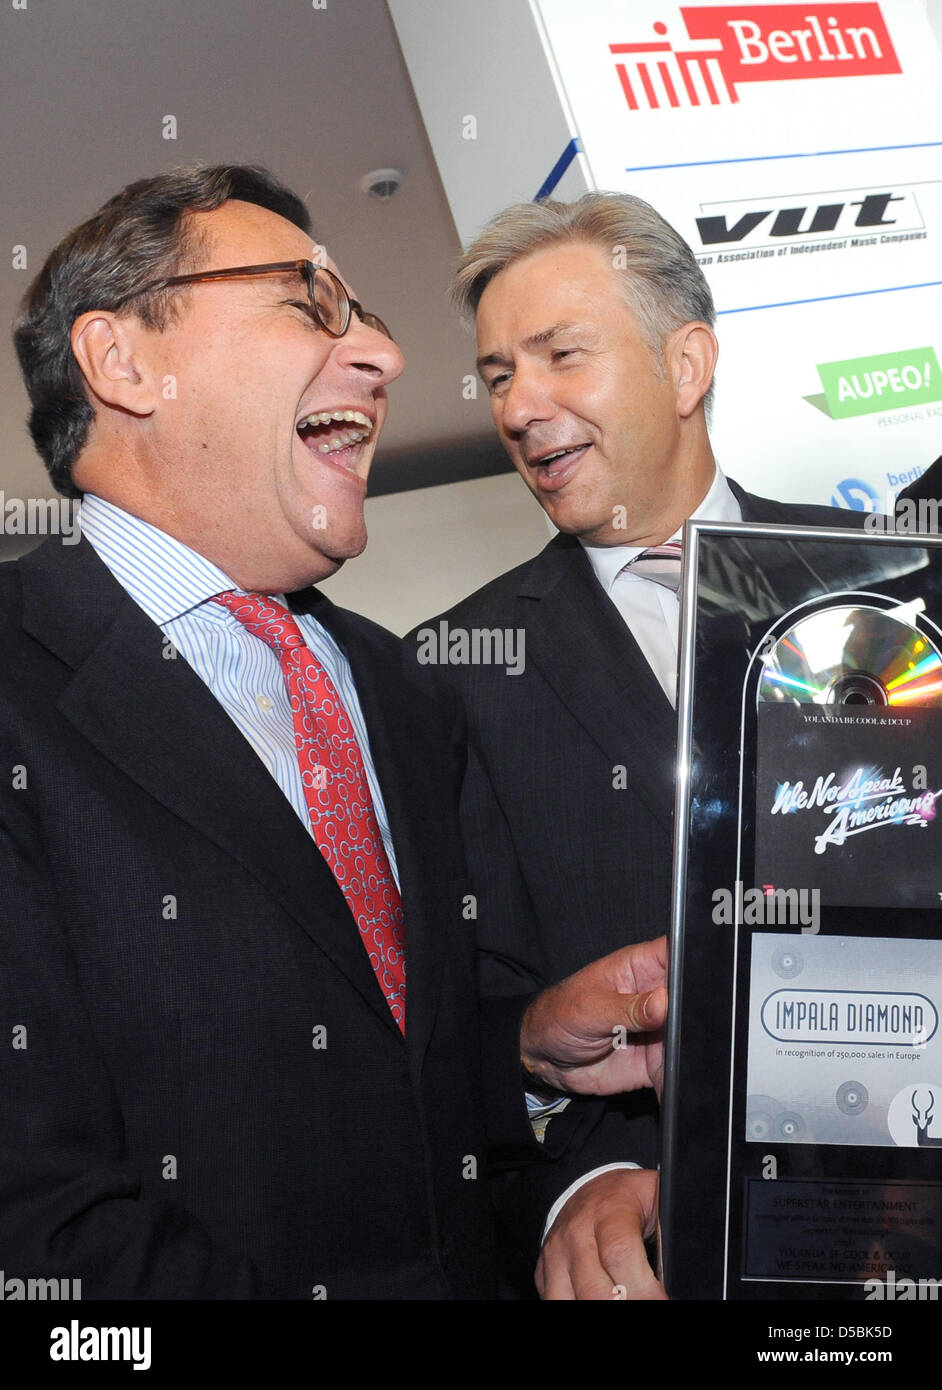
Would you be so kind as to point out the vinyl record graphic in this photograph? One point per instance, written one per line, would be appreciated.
(852, 656)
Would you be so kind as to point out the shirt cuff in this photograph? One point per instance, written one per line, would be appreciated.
(573, 1187)
(538, 1106)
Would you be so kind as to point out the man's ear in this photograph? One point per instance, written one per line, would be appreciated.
(691, 354)
(109, 351)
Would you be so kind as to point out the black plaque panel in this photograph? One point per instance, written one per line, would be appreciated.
(833, 1232)
(803, 1107)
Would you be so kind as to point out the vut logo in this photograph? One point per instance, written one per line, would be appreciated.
(808, 215)
(753, 43)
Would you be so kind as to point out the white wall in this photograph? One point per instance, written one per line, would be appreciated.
(430, 547)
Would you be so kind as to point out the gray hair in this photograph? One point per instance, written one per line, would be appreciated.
(663, 284)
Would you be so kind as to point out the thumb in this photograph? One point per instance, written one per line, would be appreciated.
(642, 1013)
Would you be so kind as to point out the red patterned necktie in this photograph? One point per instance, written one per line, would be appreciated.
(336, 790)
(660, 563)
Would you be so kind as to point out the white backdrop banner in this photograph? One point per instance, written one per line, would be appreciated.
(798, 148)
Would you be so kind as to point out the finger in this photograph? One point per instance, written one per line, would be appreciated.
(654, 1061)
(571, 1254)
(655, 1008)
(591, 1281)
(638, 1013)
(613, 1264)
(552, 1279)
(622, 1252)
(638, 1285)
(629, 1269)
(639, 967)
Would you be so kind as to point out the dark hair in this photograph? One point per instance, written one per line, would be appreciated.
(139, 235)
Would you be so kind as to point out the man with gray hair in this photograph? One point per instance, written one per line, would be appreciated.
(596, 344)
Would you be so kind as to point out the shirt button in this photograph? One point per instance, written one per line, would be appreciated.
(264, 702)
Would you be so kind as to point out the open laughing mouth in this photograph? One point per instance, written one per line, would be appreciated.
(553, 470)
(336, 435)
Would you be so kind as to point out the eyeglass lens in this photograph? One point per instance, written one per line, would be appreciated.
(330, 301)
(372, 321)
(334, 306)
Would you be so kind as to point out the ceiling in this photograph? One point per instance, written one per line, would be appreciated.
(319, 95)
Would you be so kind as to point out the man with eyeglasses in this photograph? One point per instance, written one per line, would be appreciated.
(235, 952)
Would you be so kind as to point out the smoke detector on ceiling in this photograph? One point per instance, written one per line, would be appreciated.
(382, 183)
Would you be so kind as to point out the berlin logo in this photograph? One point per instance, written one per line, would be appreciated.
(726, 46)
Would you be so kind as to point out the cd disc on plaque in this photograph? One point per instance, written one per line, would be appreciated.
(852, 656)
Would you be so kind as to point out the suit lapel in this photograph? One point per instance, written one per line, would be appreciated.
(763, 509)
(583, 648)
(156, 720)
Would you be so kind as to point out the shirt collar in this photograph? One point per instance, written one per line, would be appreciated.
(163, 576)
(608, 561)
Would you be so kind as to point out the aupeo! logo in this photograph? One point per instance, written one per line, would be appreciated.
(752, 43)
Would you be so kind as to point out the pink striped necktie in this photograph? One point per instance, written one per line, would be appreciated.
(661, 563)
(342, 817)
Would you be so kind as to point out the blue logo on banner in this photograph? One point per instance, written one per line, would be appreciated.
(855, 495)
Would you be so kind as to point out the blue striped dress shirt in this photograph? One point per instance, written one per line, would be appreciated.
(174, 586)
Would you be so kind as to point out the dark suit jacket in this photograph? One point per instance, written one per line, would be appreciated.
(928, 485)
(582, 853)
(568, 802)
(172, 1122)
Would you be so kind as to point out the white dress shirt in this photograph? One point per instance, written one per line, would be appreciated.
(651, 610)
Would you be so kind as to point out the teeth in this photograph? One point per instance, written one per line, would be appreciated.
(341, 417)
(343, 441)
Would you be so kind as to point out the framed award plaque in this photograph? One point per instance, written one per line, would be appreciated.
(803, 1106)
